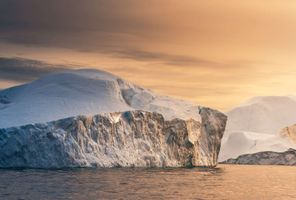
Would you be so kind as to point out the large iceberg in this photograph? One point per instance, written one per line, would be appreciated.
(87, 118)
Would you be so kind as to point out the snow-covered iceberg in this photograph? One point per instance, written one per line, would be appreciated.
(255, 126)
(84, 118)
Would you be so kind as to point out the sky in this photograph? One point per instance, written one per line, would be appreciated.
(215, 53)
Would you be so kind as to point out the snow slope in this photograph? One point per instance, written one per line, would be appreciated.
(83, 92)
(267, 114)
(255, 126)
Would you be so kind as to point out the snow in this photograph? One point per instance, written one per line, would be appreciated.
(255, 126)
(263, 114)
(83, 92)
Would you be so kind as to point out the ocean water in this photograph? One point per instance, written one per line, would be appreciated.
(224, 182)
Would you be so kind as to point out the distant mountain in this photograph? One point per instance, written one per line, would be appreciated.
(255, 126)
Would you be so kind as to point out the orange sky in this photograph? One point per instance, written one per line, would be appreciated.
(216, 53)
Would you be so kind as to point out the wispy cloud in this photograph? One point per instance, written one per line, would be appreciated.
(23, 70)
(91, 27)
(170, 59)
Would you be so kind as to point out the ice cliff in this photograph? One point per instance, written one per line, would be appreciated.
(90, 118)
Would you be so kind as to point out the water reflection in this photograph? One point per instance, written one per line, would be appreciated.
(224, 182)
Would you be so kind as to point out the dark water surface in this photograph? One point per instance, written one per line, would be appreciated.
(225, 182)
